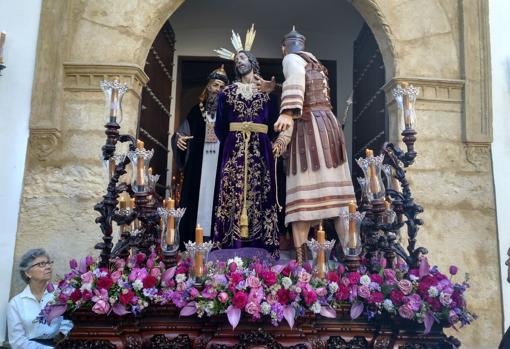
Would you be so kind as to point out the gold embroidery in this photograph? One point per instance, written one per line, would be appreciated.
(247, 109)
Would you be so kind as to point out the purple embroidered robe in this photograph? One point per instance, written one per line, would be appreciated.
(257, 107)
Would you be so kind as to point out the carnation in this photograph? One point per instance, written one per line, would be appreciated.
(265, 308)
(333, 287)
(286, 282)
(316, 308)
(240, 300)
(137, 284)
(365, 280)
(180, 277)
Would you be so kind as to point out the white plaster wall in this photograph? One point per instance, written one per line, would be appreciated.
(330, 27)
(20, 19)
(500, 59)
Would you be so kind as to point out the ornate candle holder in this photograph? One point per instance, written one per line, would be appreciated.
(198, 254)
(320, 265)
(140, 158)
(371, 166)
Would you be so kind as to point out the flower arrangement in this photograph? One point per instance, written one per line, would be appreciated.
(255, 289)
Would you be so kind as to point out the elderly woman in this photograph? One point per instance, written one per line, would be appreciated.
(25, 332)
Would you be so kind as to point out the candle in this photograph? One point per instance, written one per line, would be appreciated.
(199, 258)
(372, 174)
(114, 105)
(3, 35)
(170, 223)
(352, 226)
(321, 258)
(140, 165)
(407, 105)
(111, 167)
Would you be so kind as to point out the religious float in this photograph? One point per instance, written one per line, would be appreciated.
(141, 292)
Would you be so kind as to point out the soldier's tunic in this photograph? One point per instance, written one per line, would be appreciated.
(319, 183)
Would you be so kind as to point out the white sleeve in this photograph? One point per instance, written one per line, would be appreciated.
(66, 326)
(293, 89)
(17, 336)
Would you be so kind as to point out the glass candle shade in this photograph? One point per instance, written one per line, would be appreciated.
(140, 158)
(320, 254)
(110, 164)
(114, 91)
(170, 237)
(371, 167)
(351, 241)
(405, 99)
(199, 254)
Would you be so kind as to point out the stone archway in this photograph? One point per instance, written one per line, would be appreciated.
(81, 43)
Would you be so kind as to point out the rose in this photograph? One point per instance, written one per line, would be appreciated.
(101, 307)
(332, 276)
(232, 267)
(445, 299)
(194, 293)
(397, 297)
(235, 278)
(149, 281)
(156, 272)
(76, 295)
(223, 297)
(376, 297)
(405, 286)
(285, 271)
(364, 291)
(343, 293)
(304, 276)
(253, 309)
(240, 299)
(126, 297)
(116, 275)
(253, 281)
(414, 302)
(104, 282)
(256, 295)
(87, 277)
(283, 296)
(309, 296)
(209, 293)
(269, 278)
(120, 263)
(406, 312)
(322, 291)
(354, 277)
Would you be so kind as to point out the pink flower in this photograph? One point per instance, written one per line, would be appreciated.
(405, 286)
(209, 293)
(269, 278)
(156, 272)
(304, 276)
(414, 302)
(341, 269)
(271, 299)
(322, 292)
(390, 277)
(120, 263)
(406, 312)
(256, 295)
(354, 277)
(138, 273)
(240, 300)
(73, 264)
(194, 293)
(309, 296)
(376, 297)
(232, 267)
(223, 297)
(87, 277)
(343, 292)
(332, 276)
(253, 309)
(346, 282)
(116, 275)
(364, 292)
(104, 282)
(101, 307)
(253, 281)
(181, 286)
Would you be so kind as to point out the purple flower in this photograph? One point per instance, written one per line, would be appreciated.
(453, 269)
(414, 302)
(405, 286)
(73, 264)
(364, 292)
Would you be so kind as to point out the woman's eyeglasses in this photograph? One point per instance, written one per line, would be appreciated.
(42, 264)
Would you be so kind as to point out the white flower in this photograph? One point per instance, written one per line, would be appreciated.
(138, 284)
(433, 292)
(413, 277)
(112, 300)
(316, 307)
(238, 261)
(265, 308)
(333, 287)
(388, 305)
(365, 280)
(180, 278)
(445, 298)
(286, 282)
(298, 289)
(87, 287)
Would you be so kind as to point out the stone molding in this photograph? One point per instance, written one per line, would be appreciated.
(44, 141)
(430, 89)
(476, 62)
(86, 77)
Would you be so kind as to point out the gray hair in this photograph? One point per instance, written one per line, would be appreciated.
(27, 260)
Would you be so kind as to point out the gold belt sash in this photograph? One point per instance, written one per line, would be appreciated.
(246, 128)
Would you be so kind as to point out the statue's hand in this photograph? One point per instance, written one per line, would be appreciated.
(182, 141)
(283, 123)
(264, 85)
